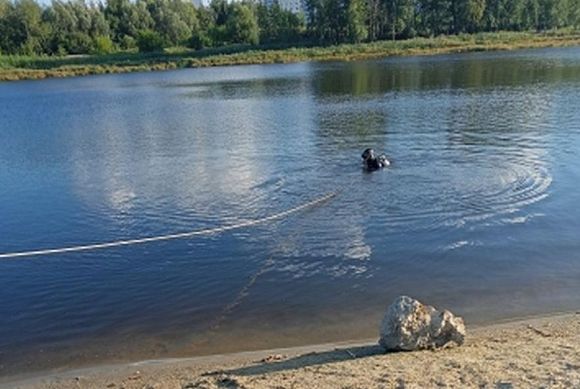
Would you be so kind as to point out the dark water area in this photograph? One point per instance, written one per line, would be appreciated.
(479, 212)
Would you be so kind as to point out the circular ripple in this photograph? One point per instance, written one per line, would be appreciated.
(419, 199)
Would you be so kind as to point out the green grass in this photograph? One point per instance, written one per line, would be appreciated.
(30, 67)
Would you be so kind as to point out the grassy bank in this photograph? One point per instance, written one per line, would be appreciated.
(25, 67)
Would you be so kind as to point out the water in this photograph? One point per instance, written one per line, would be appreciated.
(478, 212)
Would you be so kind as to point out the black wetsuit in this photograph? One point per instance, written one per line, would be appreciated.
(376, 163)
(373, 164)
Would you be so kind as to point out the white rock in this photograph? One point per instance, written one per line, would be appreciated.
(410, 325)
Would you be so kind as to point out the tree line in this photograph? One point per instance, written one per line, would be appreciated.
(369, 20)
(80, 27)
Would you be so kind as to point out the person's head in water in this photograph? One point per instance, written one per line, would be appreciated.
(372, 162)
(368, 154)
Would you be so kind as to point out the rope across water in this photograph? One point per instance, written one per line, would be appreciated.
(180, 235)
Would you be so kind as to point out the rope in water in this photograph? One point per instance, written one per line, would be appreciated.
(188, 234)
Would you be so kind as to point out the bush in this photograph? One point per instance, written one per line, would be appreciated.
(148, 41)
(128, 42)
(78, 43)
(103, 45)
(200, 41)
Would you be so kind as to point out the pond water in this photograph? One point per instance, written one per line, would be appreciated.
(478, 213)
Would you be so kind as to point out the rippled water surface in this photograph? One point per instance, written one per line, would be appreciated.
(479, 212)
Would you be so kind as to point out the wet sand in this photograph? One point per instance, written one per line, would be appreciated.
(535, 352)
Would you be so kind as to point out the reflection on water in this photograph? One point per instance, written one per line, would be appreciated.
(478, 212)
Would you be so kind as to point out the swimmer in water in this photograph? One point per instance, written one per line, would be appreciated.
(372, 162)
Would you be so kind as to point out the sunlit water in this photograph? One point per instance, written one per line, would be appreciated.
(479, 212)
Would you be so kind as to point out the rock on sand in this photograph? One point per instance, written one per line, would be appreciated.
(410, 325)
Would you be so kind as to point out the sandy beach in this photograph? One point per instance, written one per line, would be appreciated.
(535, 352)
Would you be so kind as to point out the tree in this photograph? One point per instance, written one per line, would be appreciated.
(377, 19)
(506, 14)
(400, 17)
(201, 34)
(84, 26)
(330, 20)
(149, 41)
(530, 15)
(357, 16)
(221, 11)
(468, 15)
(7, 42)
(552, 14)
(277, 24)
(574, 14)
(126, 19)
(435, 17)
(175, 20)
(242, 25)
(21, 28)
(75, 26)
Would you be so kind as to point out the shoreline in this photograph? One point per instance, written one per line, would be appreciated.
(296, 364)
(17, 68)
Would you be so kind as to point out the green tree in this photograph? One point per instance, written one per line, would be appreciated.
(149, 41)
(435, 17)
(400, 18)
(468, 15)
(278, 25)
(81, 26)
(552, 14)
(126, 19)
(175, 20)
(201, 35)
(506, 14)
(74, 26)
(242, 25)
(221, 10)
(357, 16)
(377, 19)
(574, 14)
(22, 30)
(329, 20)
(530, 15)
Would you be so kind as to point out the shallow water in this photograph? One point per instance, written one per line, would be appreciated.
(478, 212)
